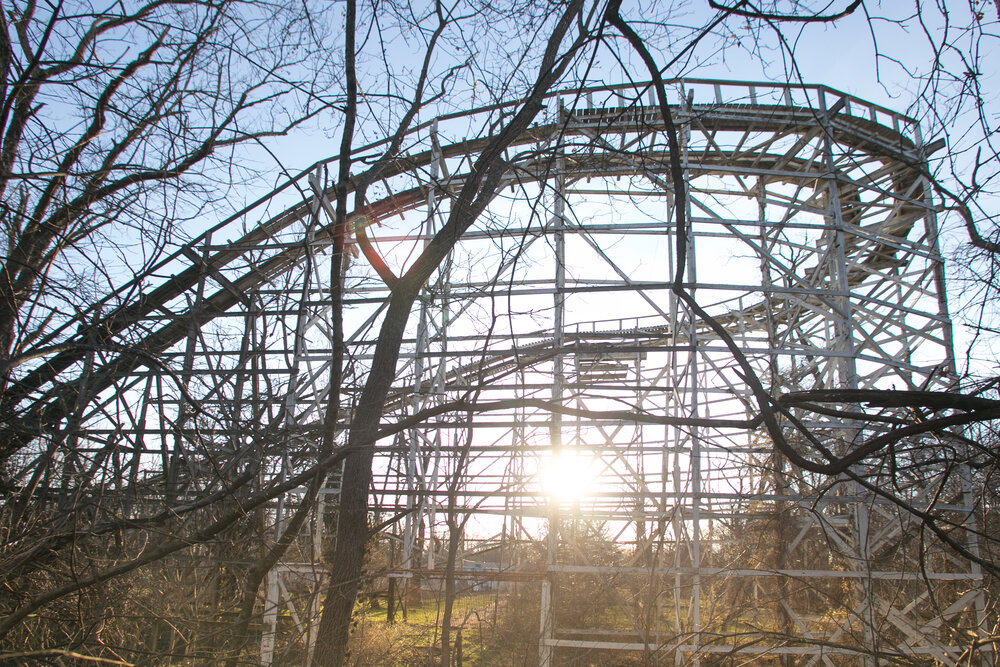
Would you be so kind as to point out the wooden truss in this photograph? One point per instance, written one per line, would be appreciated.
(814, 244)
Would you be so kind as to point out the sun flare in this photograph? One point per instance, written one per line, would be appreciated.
(568, 475)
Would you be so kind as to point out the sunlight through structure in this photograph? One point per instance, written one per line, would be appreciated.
(556, 325)
(568, 476)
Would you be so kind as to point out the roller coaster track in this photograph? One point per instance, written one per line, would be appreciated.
(40, 396)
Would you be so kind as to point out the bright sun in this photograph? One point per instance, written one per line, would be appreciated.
(568, 475)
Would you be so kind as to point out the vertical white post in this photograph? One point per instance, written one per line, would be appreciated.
(270, 620)
(846, 376)
(557, 225)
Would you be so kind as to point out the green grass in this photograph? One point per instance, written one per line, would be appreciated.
(487, 636)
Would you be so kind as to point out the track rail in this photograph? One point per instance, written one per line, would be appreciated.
(40, 395)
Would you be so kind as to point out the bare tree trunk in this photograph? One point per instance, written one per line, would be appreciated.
(352, 533)
(477, 192)
(455, 530)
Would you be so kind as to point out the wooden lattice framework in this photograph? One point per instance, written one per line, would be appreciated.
(813, 245)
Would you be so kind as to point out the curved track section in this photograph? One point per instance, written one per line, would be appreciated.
(813, 242)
